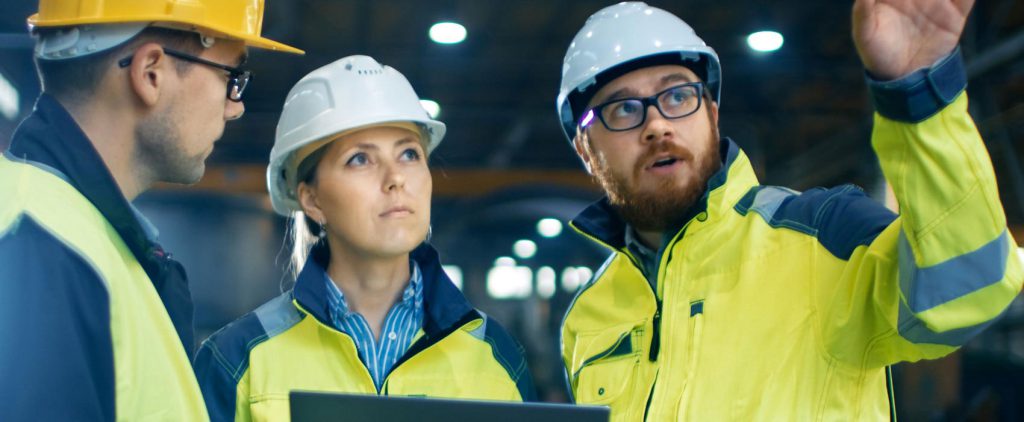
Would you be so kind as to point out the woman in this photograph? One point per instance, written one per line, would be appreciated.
(371, 310)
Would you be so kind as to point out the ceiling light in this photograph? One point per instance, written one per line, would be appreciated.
(447, 33)
(765, 41)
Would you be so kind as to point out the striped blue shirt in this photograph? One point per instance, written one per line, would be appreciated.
(401, 325)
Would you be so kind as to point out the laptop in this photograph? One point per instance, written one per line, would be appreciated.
(307, 406)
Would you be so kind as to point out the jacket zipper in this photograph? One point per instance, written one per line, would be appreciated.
(416, 348)
(656, 340)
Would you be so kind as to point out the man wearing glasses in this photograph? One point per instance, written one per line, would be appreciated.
(95, 318)
(724, 299)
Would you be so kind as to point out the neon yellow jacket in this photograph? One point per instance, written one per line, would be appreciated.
(88, 305)
(777, 305)
(247, 369)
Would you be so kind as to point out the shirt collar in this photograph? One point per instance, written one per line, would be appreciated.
(444, 306)
(152, 233)
(412, 295)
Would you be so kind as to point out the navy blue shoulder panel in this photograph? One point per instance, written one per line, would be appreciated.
(511, 355)
(57, 357)
(224, 357)
(841, 218)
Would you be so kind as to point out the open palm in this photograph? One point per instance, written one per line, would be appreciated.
(896, 37)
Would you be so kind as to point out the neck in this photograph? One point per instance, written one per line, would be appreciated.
(113, 138)
(371, 284)
(650, 238)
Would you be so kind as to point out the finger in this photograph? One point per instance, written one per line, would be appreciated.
(964, 6)
(862, 14)
(862, 7)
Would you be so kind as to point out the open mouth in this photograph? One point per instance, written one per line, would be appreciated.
(664, 162)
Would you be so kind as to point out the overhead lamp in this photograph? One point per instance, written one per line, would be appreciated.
(765, 41)
(447, 33)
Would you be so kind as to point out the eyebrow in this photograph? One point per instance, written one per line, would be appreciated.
(676, 77)
(627, 92)
(406, 140)
(242, 59)
(400, 142)
(621, 93)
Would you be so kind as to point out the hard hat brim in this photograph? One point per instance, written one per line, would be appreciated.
(249, 40)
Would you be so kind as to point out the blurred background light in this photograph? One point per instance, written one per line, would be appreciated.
(524, 248)
(504, 261)
(549, 227)
(507, 282)
(546, 282)
(9, 99)
(432, 107)
(454, 272)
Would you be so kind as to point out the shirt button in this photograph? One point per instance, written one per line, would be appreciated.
(392, 336)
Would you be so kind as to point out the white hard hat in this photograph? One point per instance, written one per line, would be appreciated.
(351, 93)
(624, 37)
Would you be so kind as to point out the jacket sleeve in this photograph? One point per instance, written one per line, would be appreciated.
(511, 355)
(947, 267)
(56, 352)
(224, 391)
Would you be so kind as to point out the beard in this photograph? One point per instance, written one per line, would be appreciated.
(159, 152)
(659, 208)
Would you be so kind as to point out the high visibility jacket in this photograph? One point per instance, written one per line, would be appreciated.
(85, 328)
(247, 369)
(773, 304)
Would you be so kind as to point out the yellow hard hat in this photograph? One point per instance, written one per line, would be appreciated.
(231, 19)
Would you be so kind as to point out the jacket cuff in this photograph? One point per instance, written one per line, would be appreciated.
(922, 93)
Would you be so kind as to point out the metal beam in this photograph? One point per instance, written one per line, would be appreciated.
(991, 58)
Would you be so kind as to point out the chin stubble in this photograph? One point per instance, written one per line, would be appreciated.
(159, 152)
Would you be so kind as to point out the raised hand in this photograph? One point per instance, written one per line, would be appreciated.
(896, 37)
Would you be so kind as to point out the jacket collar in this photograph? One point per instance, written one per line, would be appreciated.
(603, 223)
(443, 304)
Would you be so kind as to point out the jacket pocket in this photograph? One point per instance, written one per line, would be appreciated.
(606, 376)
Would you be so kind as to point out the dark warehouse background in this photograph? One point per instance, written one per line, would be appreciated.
(801, 113)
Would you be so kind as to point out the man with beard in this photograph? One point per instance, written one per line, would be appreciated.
(724, 299)
(95, 318)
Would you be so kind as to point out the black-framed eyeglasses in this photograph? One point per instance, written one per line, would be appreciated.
(628, 113)
(238, 78)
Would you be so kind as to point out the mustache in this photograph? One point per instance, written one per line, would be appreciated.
(662, 148)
